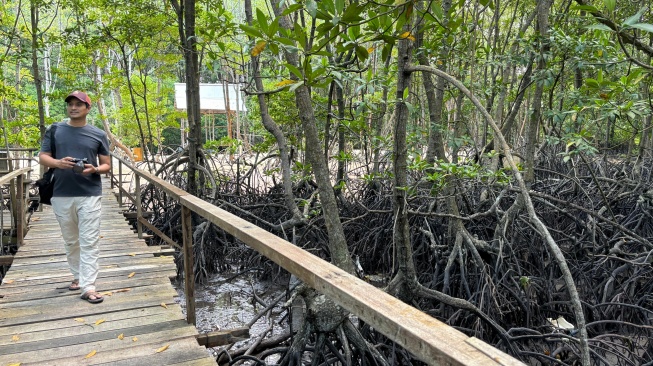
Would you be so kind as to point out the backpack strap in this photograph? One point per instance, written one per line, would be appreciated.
(53, 146)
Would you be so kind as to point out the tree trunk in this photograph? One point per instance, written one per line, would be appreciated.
(38, 83)
(272, 127)
(188, 41)
(532, 129)
(405, 271)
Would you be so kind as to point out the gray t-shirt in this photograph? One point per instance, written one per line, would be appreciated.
(76, 142)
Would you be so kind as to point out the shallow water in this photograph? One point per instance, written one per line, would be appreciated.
(222, 305)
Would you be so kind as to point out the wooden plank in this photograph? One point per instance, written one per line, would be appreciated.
(28, 293)
(6, 260)
(116, 320)
(101, 332)
(105, 258)
(71, 299)
(223, 337)
(138, 353)
(164, 271)
(113, 344)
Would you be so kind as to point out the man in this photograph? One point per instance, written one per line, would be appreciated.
(76, 200)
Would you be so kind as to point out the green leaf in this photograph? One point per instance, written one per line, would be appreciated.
(274, 27)
(591, 83)
(361, 52)
(296, 85)
(353, 13)
(587, 8)
(387, 49)
(300, 35)
(599, 26)
(251, 31)
(406, 92)
(295, 70)
(317, 73)
(635, 18)
(292, 8)
(286, 41)
(610, 4)
(647, 27)
(340, 5)
(311, 8)
(262, 20)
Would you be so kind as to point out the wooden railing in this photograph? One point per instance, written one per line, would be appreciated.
(427, 338)
(18, 195)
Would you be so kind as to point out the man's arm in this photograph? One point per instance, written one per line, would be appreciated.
(105, 164)
(46, 159)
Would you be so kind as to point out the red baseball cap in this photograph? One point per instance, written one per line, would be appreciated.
(79, 95)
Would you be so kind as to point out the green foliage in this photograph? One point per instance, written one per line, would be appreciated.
(227, 144)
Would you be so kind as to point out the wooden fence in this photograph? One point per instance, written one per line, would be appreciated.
(427, 338)
(19, 194)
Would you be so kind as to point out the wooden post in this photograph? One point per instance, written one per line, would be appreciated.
(139, 209)
(120, 183)
(20, 208)
(111, 175)
(189, 274)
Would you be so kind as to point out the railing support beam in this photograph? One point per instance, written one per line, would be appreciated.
(20, 207)
(189, 275)
(139, 208)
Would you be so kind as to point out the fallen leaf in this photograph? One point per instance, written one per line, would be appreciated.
(121, 336)
(81, 320)
(15, 338)
(132, 254)
(163, 304)
(108, 293)
(134, 339)
(99, 322)
(163, 348)
(131, 275)
(123, 290)
(8, 281)
(91, 354)
(14, 364)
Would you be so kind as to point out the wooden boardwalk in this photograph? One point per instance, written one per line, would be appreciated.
(43, 323)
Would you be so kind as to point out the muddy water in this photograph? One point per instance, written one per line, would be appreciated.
(223, 305)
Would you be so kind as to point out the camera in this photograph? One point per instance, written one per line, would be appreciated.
(79, 165)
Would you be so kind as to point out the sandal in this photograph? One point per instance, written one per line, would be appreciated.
(92, 297)
(74, 286)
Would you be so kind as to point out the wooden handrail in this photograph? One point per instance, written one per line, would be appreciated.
(11, 175)
(429, 339)
(21, 196)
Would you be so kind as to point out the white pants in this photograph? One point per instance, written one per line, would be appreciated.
(79, 219)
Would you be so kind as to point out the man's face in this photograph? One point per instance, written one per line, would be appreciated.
(76, 108)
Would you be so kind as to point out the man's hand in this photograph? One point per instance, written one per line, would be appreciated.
(89, 169)
(65, 163)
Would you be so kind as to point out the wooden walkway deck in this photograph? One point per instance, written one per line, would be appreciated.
(139, 323)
